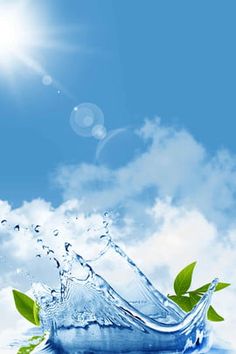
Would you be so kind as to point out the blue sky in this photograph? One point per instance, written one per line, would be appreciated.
(168, 181)
(137, 59)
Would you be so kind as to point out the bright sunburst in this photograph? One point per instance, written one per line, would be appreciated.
(14, 32)
(21, 33)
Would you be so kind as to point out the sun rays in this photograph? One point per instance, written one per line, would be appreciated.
(23, 35)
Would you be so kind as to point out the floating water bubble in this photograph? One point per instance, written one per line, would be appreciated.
(99, 132)
(85, 117)
(47, 80)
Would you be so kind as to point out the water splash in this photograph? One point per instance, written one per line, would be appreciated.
(87, 314)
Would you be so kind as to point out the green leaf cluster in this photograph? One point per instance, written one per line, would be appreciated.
(187, 299)
(27, 307)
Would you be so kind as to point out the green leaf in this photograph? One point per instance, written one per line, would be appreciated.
(212, 315)
(182, 284)
(33, 343)
(219, 286)
(184, 279)
(183, 302)
(194, 298)
(27, 307)
(36, 310)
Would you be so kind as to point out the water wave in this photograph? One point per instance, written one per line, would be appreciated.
(90, 314)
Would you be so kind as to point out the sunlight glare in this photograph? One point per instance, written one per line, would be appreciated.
(24, 35)
(14, 32)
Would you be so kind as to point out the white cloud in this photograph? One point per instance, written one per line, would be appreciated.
(174, 164)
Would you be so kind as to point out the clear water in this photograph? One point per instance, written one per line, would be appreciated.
(91, 312)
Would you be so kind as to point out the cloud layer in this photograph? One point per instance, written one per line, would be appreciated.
(173, 164)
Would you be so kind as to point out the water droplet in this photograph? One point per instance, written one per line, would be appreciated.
(37, 228)
(17, 228)
(56, 233)
(4, 221)
(58, 91)
(47, 80)
(67, 246)
(105, 223)
(85, 117)
(43, 299)
(38, 255)
(53, 293)
(106, 214)
(39, 240)
(18, 270)
(50, 251)
(57, 263)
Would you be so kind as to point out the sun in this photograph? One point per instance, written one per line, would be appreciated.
(18, 35)
(14, 35)
(15, 31)
(25, 35)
